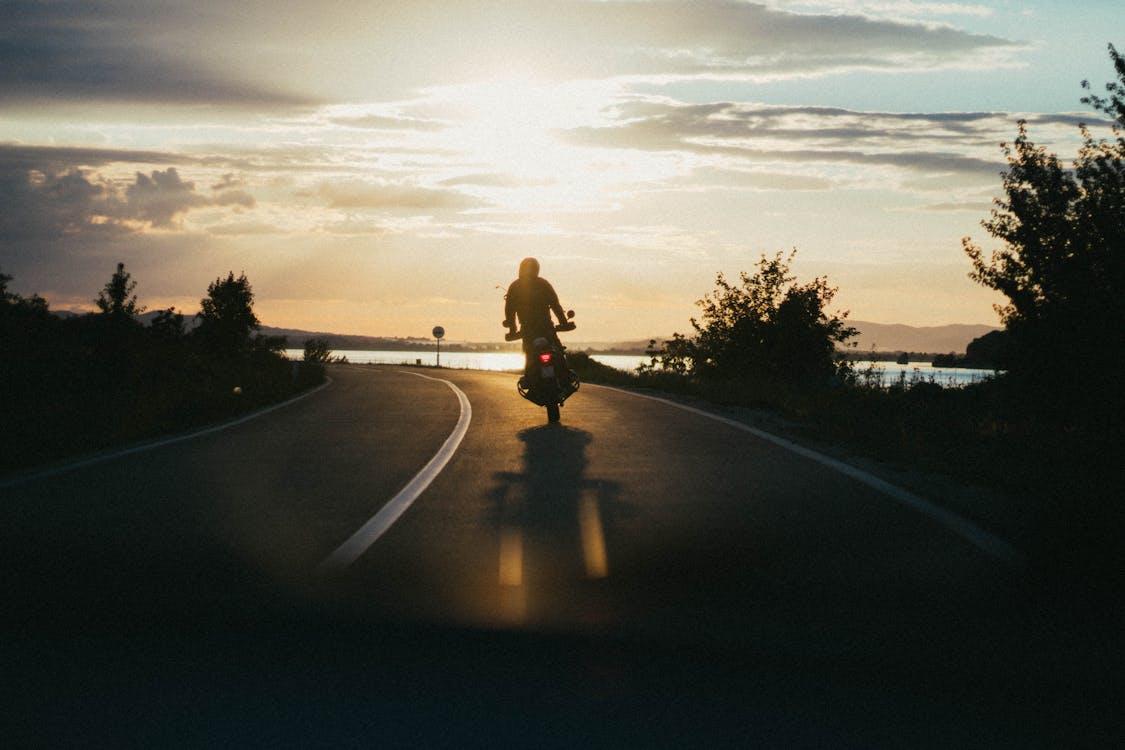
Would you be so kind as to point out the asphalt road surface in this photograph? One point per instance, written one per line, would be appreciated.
(636, 574)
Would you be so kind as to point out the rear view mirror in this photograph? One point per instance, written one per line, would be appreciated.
(569, 314)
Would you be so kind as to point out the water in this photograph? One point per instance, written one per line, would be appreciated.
(889, 372)
(498, 361)
(948, 377)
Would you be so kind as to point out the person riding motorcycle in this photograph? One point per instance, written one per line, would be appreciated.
(529, 303)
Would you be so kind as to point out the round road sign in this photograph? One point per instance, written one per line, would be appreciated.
(439, 332)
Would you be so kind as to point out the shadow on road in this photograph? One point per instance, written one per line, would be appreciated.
(555, 527)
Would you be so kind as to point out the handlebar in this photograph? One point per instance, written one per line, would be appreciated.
(513, 335)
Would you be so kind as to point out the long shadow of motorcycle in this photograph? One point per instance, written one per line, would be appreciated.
(555, 523)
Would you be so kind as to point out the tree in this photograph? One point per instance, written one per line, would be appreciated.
(117, 298)
(17, 304)
(768, 328)
(226, 316)
(168, 325)
(676, 355)
(317, 350)
(1061, 267)
(987, 351)
(1114, 106)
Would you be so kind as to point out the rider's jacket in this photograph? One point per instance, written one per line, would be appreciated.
(531, 300)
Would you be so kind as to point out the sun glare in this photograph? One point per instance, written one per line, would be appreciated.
(513, 128)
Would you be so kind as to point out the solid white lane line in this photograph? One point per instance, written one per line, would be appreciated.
(967, 530)
(361, 540)
(103, 457)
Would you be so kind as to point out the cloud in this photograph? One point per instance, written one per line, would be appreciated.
(234, 198)
(938, 142)
(494, 180)
(160, 197)
(977, 207)
(244, 227)
(661, 117)
(888, 8)
(730, 39)
(250, 55)
(37, 204)
(42, 196)
(358, 194)
(385, 122)
(714, 178)
(119, 52)
(228, 181)
(17, 156)
(287, 158)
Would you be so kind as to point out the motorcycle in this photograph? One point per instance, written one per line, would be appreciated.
(549, 382)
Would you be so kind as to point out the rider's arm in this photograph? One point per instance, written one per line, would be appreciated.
(553, 303)
(559, 312)
(510, 307)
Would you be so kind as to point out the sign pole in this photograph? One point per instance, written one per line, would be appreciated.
(439, 333)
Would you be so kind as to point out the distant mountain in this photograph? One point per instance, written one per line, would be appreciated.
(882, 337)
(895, 337)
(297, 338)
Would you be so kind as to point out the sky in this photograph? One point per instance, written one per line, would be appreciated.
(381, 167)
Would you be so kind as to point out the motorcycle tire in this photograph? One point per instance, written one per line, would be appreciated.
(552, 413)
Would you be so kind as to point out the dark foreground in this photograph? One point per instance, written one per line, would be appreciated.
(639, 575)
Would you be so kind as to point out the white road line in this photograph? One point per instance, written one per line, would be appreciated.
(98, 458)
(967, 530)
(361, 540)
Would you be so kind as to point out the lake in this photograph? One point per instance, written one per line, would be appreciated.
(513, 361)
(499, 361)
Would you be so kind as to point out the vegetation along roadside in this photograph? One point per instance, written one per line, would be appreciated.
(83, 383)
(1047, 440)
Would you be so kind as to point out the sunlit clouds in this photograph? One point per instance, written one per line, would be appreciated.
(376, 166)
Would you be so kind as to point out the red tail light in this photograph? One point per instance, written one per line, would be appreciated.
(545, 358)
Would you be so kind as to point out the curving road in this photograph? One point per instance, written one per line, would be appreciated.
(679, 538)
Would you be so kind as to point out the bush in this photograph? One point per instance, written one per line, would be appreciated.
(89, 382)
(764, 341)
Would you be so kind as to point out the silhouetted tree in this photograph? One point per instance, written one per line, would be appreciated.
(17, 305)
(226, 315)
(264, 343)
(117, 298)
(987, 351)
(1062, 269)
(317, 350)
(168, 325)
(675, 355)
(1114, 106)
(768, 328)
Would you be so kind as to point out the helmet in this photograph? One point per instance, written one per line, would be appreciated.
(529, 268)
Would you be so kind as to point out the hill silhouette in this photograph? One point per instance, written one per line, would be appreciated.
(883, 337)
(896, 337)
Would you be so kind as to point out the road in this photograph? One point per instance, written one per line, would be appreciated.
(832, 611)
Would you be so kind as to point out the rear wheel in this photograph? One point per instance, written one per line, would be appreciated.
(552, 412)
